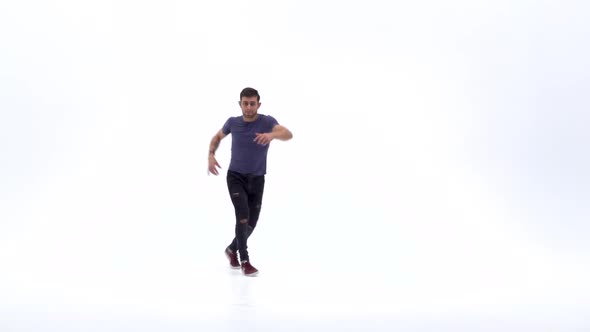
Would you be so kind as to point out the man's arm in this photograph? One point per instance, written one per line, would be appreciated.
(278, 132)
(281, 132)
(213, 164)
(215, 142)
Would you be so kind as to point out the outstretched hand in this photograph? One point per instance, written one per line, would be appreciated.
(213, 164)
(263, 138)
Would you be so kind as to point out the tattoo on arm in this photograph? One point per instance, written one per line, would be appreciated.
(214, 144)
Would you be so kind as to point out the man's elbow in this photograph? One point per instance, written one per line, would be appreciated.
(282, 134)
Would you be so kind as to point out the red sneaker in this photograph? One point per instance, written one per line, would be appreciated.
(248, 269)
(233, 258)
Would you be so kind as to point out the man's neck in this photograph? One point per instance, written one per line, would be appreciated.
(251, 119)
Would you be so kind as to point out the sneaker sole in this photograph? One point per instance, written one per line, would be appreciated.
(251, 274)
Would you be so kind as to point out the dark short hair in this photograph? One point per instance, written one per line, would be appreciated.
(249, 92)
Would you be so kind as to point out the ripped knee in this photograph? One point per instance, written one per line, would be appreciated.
(243, 221)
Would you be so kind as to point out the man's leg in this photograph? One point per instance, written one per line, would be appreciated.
(237, 191)
(255, 193)
(255, 188)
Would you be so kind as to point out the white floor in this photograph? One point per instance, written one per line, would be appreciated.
(160, 291)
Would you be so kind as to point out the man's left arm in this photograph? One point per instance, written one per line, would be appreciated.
(281, 132)
(278, 132)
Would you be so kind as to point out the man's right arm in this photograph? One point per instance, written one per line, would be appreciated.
(215, 142)
(213, 164)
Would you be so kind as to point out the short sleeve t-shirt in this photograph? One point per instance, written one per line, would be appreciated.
(247, 156)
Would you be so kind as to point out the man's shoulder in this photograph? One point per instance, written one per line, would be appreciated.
(233, 120)
(267, 118)
(230, 123)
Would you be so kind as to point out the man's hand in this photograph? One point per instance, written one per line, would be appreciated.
(264, 138)
(213, 164)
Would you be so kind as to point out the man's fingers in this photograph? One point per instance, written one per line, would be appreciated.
(262, 138)
(213, 170)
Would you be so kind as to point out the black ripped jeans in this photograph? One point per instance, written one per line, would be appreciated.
(246, 195)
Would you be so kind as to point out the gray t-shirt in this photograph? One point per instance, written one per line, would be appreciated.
(247, 156)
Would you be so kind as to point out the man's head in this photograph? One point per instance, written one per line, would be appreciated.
(249, 102)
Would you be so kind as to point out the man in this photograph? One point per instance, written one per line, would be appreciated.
(251, 135)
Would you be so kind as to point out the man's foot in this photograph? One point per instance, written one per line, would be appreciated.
(248, 269)
(233, 258)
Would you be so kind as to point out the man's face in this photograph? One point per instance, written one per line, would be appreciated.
(249, 107)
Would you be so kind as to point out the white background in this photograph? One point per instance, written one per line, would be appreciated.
(438, 178)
